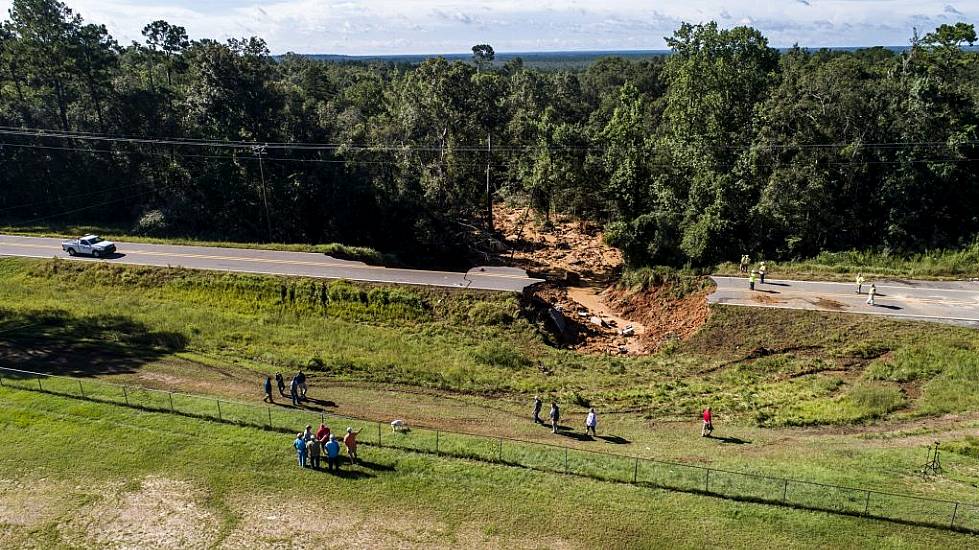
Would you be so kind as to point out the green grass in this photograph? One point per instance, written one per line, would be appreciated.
(767, 367)
(960, 263)
(336, 250)
(241, 486)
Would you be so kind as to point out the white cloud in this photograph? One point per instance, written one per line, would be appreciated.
(425, 26)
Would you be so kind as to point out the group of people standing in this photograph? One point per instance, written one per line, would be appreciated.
(297, 388)
(554, 415)
(310, 447)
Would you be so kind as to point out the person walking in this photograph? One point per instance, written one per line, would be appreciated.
(591, 422)
(555, 416)
(350, 442)
(301, 379)
(860, 281)
(332, 453)
(313, 451)
(872, 294)
(537, 407)
(751, 281)
(294, 391)
(742, 266)
(300, 445)
(280, 383)
(762, 270)
(708, 423)
(268, 390)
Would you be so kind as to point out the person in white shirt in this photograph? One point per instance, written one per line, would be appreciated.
(591, 422)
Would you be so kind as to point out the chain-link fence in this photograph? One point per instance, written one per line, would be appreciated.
(740, 486)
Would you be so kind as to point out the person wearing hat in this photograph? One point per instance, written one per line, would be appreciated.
(332, 453)
(350, 442)
(537, 406)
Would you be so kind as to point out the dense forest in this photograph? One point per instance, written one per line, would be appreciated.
(725, 145)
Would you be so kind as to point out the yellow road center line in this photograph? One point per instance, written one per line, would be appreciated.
(275, 261)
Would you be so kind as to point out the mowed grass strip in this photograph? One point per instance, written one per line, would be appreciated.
(104, 459)
(768, 368)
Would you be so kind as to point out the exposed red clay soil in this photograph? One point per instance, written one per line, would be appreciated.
(565, 245)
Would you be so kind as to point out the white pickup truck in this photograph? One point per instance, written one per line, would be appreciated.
(92, 245)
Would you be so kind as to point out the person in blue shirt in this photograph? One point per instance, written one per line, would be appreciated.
(268, 390)
(332, 453)
(300, 446)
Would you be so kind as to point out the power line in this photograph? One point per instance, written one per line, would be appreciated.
(334, 147)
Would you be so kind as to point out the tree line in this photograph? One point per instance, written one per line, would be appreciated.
(726, 145)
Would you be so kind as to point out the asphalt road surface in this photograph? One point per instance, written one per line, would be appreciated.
(271, 262)
(950, 302)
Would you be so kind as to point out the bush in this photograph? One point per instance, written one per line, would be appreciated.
(493, 313)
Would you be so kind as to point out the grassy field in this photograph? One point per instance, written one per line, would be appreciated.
(81, 474)
(844, 266)
(336, 250)
(760, 367)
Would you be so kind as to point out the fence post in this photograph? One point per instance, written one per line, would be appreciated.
(954, 512)
(172, 410)
(565, 460)
(866, 506)
(322, 418)
(219, 409)
(1, 379)
(785, 489)
(635, 471)
(436, 442)
(81, 390)
(126, 395)
(707, 482)
(39, 383)
(379, 434)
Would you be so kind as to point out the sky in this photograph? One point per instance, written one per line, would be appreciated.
(375, 27)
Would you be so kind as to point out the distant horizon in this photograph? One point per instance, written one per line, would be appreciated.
(372, 28)
(660, 51)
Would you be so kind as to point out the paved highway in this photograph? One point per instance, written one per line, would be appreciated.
(951, 302)
(271, 262)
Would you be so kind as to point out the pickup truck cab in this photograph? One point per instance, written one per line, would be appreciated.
(92, 245)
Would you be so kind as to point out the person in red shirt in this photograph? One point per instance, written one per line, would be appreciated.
(350, 442)
(708, 423)
(323, 434)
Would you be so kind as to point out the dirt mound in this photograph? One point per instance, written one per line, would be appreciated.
(557, 247)
(622, 321)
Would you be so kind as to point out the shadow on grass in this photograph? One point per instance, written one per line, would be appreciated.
(729, 440)
(614, 439)
(54, 341)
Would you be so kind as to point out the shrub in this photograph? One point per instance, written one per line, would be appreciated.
(342, 291)
(493, 313)
(874, 400)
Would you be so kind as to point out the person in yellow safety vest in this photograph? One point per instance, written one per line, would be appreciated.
(761, 272)
(751, 281)
(860, 281)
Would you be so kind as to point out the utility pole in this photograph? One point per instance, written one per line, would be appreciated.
(489, 195)
(259, 151)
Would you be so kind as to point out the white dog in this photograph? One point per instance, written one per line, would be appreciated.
(399, 426)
